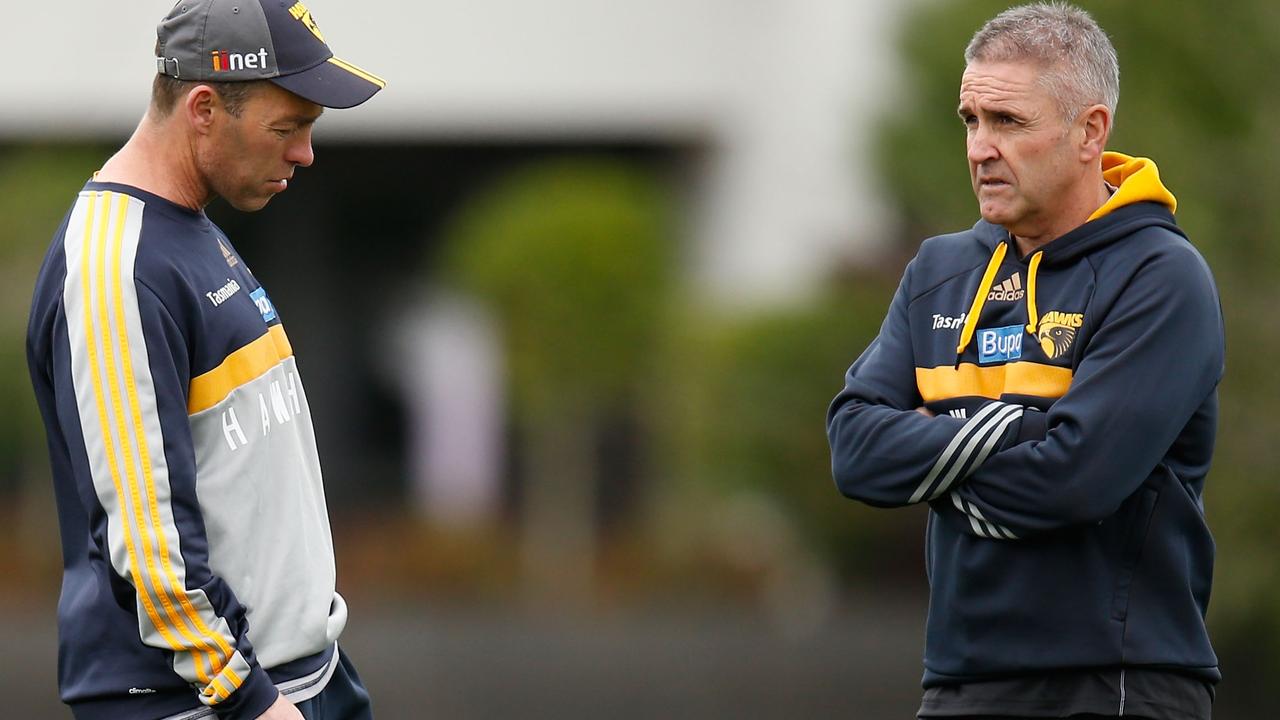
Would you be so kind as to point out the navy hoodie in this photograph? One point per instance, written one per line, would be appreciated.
(1075, 393)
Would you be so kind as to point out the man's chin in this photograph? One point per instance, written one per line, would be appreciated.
(249, 204)
(998, 213)
(995, 216)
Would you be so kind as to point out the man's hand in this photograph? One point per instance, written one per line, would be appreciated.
(281, 709)
(925, 411)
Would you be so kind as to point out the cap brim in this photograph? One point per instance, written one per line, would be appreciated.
(333, 83)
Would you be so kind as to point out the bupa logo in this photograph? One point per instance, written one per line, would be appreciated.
(303, 15)
(1057, 331)
(263, 302)
(224, 61)
(1000, 344)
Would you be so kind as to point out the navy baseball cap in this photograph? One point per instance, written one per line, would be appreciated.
(242, 40)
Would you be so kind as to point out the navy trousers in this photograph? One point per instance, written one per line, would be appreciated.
(1088, 716)
(344, 698)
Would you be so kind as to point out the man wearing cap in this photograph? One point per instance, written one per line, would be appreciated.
(198, 564)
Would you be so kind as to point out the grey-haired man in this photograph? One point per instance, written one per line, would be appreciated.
(1047, 382)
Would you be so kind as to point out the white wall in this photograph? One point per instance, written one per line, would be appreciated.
(782, 92)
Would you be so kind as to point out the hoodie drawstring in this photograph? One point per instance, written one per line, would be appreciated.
(975, 309)
(1033, 317)
(980, 298)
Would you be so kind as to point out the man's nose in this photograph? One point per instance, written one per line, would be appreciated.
(981, 146)
(300, 152)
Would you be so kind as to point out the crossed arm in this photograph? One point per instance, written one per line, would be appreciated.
(1154, 359)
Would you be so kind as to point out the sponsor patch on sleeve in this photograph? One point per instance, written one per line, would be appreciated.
(263, 302)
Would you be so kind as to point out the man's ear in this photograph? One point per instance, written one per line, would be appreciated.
(201, 107)
(1096, 125)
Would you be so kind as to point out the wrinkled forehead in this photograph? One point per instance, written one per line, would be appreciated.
(1002, 81)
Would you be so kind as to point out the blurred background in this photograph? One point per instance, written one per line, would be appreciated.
(570, 299)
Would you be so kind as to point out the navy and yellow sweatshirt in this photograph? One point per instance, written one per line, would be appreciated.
(198, 567)
(1076, 401)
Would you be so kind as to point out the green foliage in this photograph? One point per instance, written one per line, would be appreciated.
(753, 413)
(40, 184)
(1199, 97)
(574, 257)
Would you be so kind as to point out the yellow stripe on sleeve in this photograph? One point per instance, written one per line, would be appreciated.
(238, 368)
(221, 687)
(230, 676)
(174, 588)
(96, 360)
(152, 535)
(216, 691)
(969, 380)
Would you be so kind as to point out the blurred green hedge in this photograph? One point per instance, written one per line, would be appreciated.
(751, 418)
(575, 257)
(40, 185)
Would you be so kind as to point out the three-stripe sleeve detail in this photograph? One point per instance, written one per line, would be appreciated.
(123, 437)
(981, 526)
(982, 433)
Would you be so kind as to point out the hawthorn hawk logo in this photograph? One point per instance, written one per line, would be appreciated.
(303, 15)
(1057, 331)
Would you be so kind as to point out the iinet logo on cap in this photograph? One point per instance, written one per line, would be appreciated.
(224, 61)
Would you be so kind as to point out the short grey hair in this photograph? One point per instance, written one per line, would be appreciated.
(1079, 61)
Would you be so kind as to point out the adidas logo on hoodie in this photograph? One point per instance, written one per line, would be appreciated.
(1008, 291)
